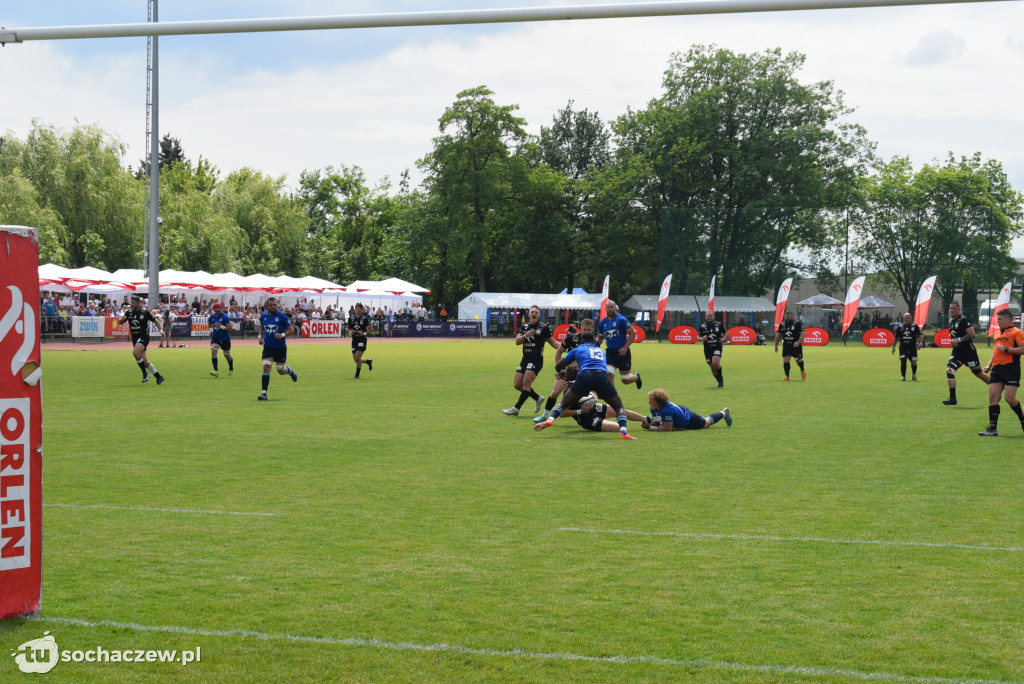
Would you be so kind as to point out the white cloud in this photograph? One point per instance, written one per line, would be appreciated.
(381, 112)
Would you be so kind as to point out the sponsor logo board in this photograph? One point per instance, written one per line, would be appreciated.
(741, 334)
(683, 334)
(878, 337)
(815, 337)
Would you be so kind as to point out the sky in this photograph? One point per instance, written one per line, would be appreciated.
(924, 81)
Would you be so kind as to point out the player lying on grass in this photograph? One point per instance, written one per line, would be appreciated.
(591, 415)
(666, 416)
(592, 377)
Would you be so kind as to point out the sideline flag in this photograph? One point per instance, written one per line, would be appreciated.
(1002, 302)
(852, 299)
(924, 300)
(663, 300)
(711, 298)
(780, 301)
(604, 298)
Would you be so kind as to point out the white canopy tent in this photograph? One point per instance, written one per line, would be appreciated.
(479, 305)
(392, 285)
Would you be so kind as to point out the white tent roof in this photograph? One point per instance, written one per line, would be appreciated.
(523, 300)
(698, 303)
(89, 279)
(396, 285)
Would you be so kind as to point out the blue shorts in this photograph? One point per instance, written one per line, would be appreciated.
(594, 381)
(623, 363)
(278, 354)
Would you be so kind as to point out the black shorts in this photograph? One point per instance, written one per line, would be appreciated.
(358, 344)
(531, 364)
(908, 351)
(1007, 374)
(278, 354)
(966, 358)
(144, 341)
(796, 352)
(592, 421)
(712, 352)
(223, 344)
(623, 363)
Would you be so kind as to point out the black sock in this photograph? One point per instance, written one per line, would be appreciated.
(231, 362)
(952, 393)
(993, 416)
(523, 396)
(913, 368)
(786, 368)
(142, 367)
(801, 364)
(550, 404)
(1019, 411)
(903, 367)
(358, 368)
(721, 376)
(214, 359)
(534, 395)
(715, 417)
(266, 381)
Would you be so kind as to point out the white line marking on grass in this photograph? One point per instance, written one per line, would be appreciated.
(819, 540)
(158, 510)
(523, 653)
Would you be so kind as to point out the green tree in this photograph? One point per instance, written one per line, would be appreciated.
(954, 219)
(19, 206)
(749, 152)
(470, 171)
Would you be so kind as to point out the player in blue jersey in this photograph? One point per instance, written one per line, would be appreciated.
(592, 377)
(275, 327)
(666, 416)
(220, 338)
(618, 335)
(571, 341)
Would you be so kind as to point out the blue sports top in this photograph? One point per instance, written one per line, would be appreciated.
(679, 416)
(276, 323)
(216, 320)
(588, 356)
(614, 330)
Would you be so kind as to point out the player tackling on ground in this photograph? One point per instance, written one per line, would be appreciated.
(910, 339)
(961, 334)
(220, 339)
(1004, 367)
(138, 319)
(275, 326)
(791, 332)
(592, 377)
(666, 416)
(571, 341)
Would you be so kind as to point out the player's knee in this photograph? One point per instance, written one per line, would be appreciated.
(281, 369)
(950, 375)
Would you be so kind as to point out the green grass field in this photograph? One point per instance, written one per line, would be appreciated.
(845, 528)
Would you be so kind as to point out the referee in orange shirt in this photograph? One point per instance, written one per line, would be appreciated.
(1004, 371)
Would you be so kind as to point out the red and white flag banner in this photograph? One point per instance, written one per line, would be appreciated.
(711, 297)
(780, 301)
(924, 300)
(852, 300)
(663, 300)
(1002, 302)
(604, 297)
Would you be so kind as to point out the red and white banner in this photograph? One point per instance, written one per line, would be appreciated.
(878, 337)
(682, 334)
(21, 425)
(640, 334)
(711, 296)
(1002, 302)
(604, 297)
(780, 301)
(112, 329)
(924, 300)
(815, 337)
(942, 339)
(663, 300)
(852, 299)
(324, 329)
(559, 334)
(741, 334)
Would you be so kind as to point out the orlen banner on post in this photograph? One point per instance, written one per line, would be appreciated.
(682, 334)
(320, 328)
(815, 337)
(942, 339)
(560, 332)
(21, 425)
(741, 334)
(640, 334)
(878, 337)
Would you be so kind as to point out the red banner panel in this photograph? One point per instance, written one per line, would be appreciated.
(21, 425)
(742, 334)
(878, 337)
(640, 334)
(815, 337)
(560, 332)
(942, 339)
(683, 334)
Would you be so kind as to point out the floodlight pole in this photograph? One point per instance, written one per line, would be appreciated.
(450, 17)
